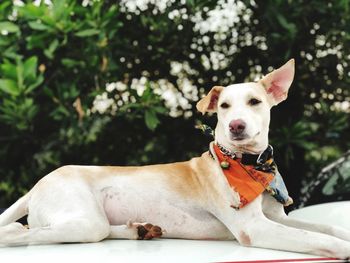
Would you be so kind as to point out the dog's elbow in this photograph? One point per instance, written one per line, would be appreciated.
(244, 239)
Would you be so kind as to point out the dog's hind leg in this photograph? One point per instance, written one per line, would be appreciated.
(16, 211)
(79, 230)
(55, 218)
(135, 231)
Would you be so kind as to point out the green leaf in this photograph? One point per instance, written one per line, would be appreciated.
(38, 26)
(291, 27)
(8, 71)
(20, 73)
(49, 52)
(9, 86)
(4, 5)
(32, 11)
(87, 33)
(161, 110)
(151, 119)
(48, 92)
(128, 106)
(30, 67)
(70, 63)
(34, 85)
(9, 27)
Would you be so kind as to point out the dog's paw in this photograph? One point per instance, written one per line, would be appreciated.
(341, 251)
(14, 227)
(146, 231)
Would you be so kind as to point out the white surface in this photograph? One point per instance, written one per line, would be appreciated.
(161, 250)
(336, 213)
(172, 250)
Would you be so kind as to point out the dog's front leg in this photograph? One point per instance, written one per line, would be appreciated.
(275, 211)
(252, 228)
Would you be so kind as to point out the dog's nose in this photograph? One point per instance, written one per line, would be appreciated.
(237, 126)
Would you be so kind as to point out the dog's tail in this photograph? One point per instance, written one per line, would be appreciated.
(16, 211)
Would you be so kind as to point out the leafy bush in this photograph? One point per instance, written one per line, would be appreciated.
(115, 83)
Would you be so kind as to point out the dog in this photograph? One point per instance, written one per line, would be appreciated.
(187, 200)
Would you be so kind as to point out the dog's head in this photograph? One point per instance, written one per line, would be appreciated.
(243, 109)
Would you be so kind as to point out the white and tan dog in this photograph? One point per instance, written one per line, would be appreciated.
(190, 200)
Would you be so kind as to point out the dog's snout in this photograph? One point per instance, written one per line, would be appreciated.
(237, 126)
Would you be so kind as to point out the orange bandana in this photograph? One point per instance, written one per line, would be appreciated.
(248, 182)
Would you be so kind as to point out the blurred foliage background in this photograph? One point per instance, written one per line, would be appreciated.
(116, 82)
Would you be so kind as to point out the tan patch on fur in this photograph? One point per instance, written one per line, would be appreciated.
(182, 178)
(178, 176)
(212, 185)
(193, 179)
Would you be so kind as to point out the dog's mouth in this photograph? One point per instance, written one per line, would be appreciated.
(239, 138)
(243, 137)
(245, 144)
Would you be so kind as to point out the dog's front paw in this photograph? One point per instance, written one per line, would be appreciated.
(341, 251)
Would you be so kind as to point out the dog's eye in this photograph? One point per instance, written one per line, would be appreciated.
(254, 101)
(224, 105)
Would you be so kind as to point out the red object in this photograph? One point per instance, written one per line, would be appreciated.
(288, 260)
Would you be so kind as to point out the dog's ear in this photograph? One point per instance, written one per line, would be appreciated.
(210, 101)
(277, 82)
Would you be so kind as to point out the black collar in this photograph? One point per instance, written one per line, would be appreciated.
(249, 159)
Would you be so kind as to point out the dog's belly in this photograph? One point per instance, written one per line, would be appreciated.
(178, 218)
